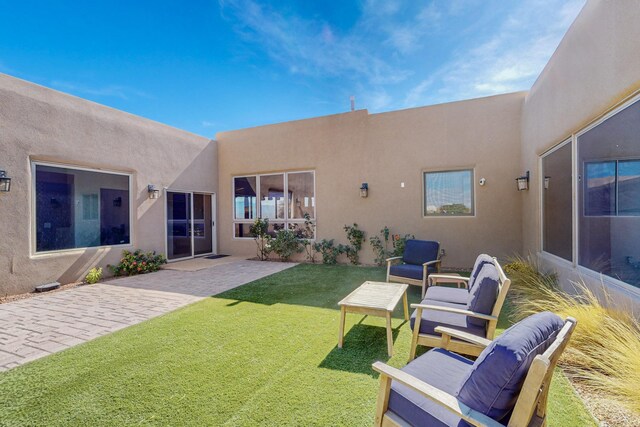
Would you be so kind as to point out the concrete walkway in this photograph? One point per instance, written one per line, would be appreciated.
(47, 323)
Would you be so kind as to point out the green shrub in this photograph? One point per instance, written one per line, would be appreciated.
(329, 251)
(399, 242)
(94, 275)
(260, 230)
(356, 238)
(285, 244)
(380, 245)
(306, 235)
(138, 262)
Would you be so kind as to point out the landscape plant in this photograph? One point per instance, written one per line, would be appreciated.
(604, 351)
(138, 262)
(329, 251)
(285, 244)
(259, 229)
(94, 275)
(356, 238)
(380, 245)
(399, 242)
(306, 236)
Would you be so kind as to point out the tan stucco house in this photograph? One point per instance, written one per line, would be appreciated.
(88, 181)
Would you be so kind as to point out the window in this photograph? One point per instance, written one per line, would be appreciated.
(557, 203)
(448, 193)
(284, 199)
(78, 208)
(609, 196)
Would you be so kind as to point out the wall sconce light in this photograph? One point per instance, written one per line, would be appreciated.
(5, 182)
(154, 193)
(364, 190)
(523, 182)
(546, 182)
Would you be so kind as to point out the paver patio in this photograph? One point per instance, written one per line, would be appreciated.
(48, 323)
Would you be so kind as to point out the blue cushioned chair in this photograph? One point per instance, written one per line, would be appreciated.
(420, 258)
(508, 384)
(457, 295)
(476, 314)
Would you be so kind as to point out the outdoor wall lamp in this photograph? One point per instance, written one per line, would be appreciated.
(364, 190)
(154, 193)
(5, 182)
(523, 182)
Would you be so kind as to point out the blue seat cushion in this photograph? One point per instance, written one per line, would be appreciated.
(483, 295)
(493, 385)
(433, 318)
(446, 294)
(410, 271)
(417, 252)
(439, 368)
(477, 266)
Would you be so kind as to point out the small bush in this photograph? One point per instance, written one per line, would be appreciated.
(138, 262)
(306, 235)
(356, 239)
(380, 245)
(260, 230)
(329, 251)
(285, 244)
(94, 275)
(399, 242)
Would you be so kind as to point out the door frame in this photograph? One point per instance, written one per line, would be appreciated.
(214, 237)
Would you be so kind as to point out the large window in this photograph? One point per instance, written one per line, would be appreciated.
(283, 198)
(448, 193)
(77, 208)
(609, 196)
(557, 203)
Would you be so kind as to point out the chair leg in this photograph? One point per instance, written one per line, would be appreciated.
(416, 332)
(383, 399)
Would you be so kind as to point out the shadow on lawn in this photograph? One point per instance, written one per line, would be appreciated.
(363, 345)
(311, 285)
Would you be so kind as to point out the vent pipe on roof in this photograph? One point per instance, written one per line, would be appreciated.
(353, 102)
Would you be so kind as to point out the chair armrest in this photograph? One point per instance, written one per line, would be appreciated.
(438, 276)
(464, 336)
(455, 310)
(435, 261)
(436, 395)
(393, 258)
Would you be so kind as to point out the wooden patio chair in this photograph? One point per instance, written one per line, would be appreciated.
(478, 316)
(507, 385)
(420, 259)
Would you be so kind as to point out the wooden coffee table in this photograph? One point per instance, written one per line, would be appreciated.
(374, 299)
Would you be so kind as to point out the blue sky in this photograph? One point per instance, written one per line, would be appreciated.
(208, 66)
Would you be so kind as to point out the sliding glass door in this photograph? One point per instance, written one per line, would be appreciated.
(190, 224)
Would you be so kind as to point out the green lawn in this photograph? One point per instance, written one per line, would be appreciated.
(264, 353)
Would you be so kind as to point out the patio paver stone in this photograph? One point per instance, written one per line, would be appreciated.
(48, 323)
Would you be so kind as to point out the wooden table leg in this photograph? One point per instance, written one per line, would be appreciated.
(343, 313)
(389, 335)
(406, 306)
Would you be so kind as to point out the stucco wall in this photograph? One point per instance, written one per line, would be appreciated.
(384, 150)
(37, 123)
(596, 66)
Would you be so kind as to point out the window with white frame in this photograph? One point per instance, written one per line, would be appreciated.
(609, 196)
(79, 208)
(557, 202)
(285, 199)
(448, 193)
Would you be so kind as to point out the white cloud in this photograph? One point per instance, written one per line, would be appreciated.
(509, 59)
(310, 47)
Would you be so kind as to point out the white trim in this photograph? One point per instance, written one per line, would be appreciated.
(32, 214)
(456, 169)
(214, 237)
(258, 211)
(541, 177)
